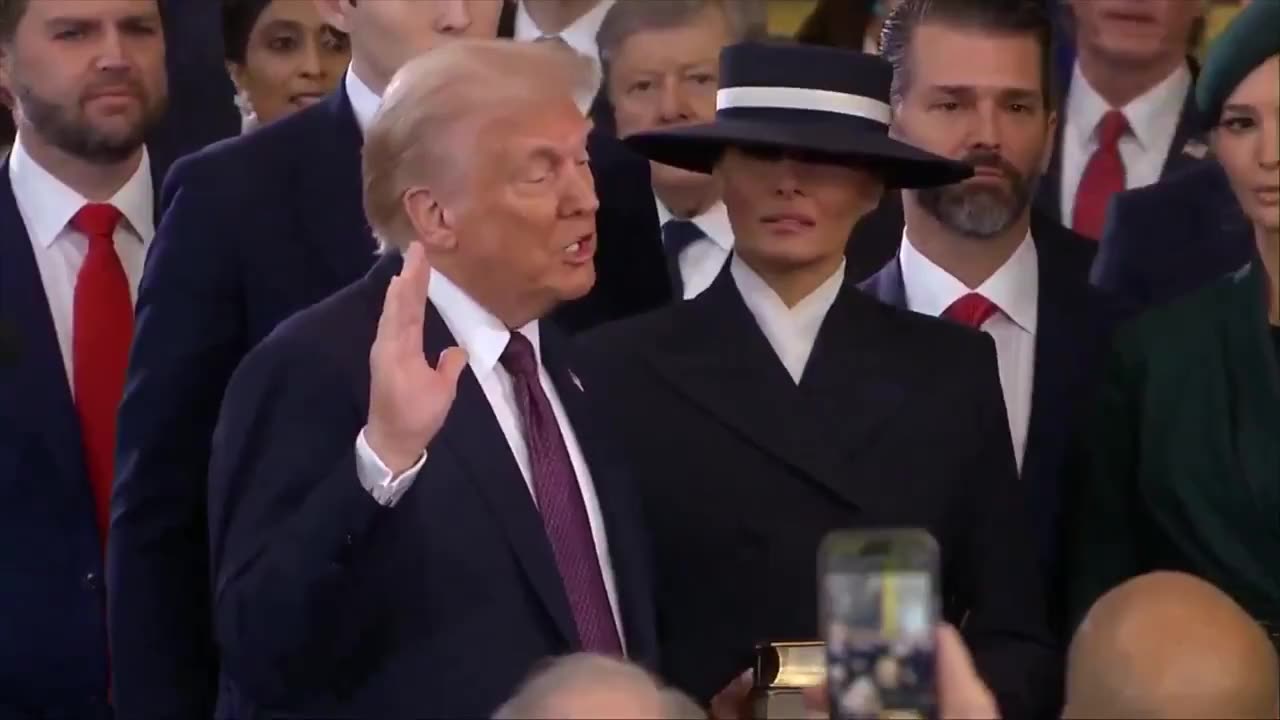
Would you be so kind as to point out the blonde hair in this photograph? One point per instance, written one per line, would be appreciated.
(412, 139)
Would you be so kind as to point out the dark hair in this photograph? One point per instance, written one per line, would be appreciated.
(238, 19)
(11, 12)
(837, 23)
(1007, 17)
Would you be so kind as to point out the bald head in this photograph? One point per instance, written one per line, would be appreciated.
(579, 687)
(1169, 645)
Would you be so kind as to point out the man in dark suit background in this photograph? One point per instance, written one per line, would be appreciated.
(77, 214)
(971, 82)
(783, 403)
(393, 540)
(1168, 239)
(1127, 116)
(254, 229)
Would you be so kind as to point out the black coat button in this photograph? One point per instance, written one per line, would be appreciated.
(92, 581)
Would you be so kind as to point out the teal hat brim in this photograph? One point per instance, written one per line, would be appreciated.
(1249, 40)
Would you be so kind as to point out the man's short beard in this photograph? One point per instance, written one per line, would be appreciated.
(980, 211)
(73, 134)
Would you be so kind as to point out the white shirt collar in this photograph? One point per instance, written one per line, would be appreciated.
(476, 330)
(364, 101)
(1014, 288)
(48, 204)
(713, 222)
(791, 331)
(580, 35)
(1152, 115)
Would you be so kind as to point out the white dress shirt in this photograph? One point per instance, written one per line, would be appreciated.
(580, 36)
(1153, 119)
(47, 205)
(791, 331)
(364, 102)
(1015, 290)
(484, 337)
(703, 259)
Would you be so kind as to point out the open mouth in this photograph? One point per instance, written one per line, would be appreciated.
(581, 250)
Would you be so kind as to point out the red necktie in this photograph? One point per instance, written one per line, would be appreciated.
(971, 310)
(101, 331)
(1103, 177)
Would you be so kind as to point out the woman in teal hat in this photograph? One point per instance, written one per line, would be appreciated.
(1180, 468)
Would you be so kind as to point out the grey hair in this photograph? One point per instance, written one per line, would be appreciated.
(746, 19)
(536, 696)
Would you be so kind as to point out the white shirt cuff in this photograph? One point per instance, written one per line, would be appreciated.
(375, 477)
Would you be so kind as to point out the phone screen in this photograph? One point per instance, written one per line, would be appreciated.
(880, 643)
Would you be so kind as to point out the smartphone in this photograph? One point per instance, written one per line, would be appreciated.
(879, 596)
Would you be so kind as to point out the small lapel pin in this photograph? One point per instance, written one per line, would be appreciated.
(576, 381)
(1196, 149)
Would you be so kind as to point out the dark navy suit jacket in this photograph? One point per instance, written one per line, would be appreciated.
(1073, 334)
(255, 228)
(329, 605)
(53, 635)
(1172, 238)
(1049, 196)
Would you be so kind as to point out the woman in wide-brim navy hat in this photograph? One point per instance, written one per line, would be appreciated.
(1181, 470)
(783, 402)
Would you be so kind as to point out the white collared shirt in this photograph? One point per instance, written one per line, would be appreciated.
(791, 331)
(580, 36)
(703, 259)
(47, 205)
(484, 337)
(1015, 289)
(1153, 118)
(364, 101)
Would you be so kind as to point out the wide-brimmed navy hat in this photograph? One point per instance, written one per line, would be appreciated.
(823, 102)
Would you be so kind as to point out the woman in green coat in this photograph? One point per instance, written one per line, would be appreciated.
(1181, 465)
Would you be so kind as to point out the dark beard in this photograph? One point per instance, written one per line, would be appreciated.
(69, 131)
(980, 211)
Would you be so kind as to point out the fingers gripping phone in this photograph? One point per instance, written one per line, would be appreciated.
(879, 601)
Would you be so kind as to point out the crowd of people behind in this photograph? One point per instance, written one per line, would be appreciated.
(397, 359)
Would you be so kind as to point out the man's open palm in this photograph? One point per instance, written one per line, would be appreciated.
(408, 399)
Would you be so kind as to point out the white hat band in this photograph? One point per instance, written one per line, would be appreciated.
(793, 98)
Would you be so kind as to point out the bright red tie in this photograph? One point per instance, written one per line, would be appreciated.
(971, 310)
(1103, 177)
(102, 330)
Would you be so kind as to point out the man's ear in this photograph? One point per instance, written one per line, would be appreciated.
(336, 13)
(431, 221)
(1051, 143)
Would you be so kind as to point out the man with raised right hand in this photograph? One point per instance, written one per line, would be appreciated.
(391, 539)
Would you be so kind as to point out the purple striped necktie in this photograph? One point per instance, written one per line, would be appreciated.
(564, 514)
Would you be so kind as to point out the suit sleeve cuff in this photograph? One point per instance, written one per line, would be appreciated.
(376, 478)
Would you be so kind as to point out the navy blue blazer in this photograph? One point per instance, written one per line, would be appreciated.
(1073, 333)
(255, 228)
(53, 635)
(1166, 240)
(329, 605)
(1049, 195)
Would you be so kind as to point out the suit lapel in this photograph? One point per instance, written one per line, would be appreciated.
(717, 357)
(1049, 194)
(1254, 389)
(35, 387)
(848, 384)
(616, 505)
(1188, 147)
(329, 201)
(473, 434)
(507, 20)
(887, 285)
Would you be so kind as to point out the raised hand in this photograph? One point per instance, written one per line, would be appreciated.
(408, 399)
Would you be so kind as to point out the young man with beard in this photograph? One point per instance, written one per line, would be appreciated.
(87, 82)
(971, 82)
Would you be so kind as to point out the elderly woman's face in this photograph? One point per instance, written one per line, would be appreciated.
(1247, 143)
(790, 213)
(293, 59)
